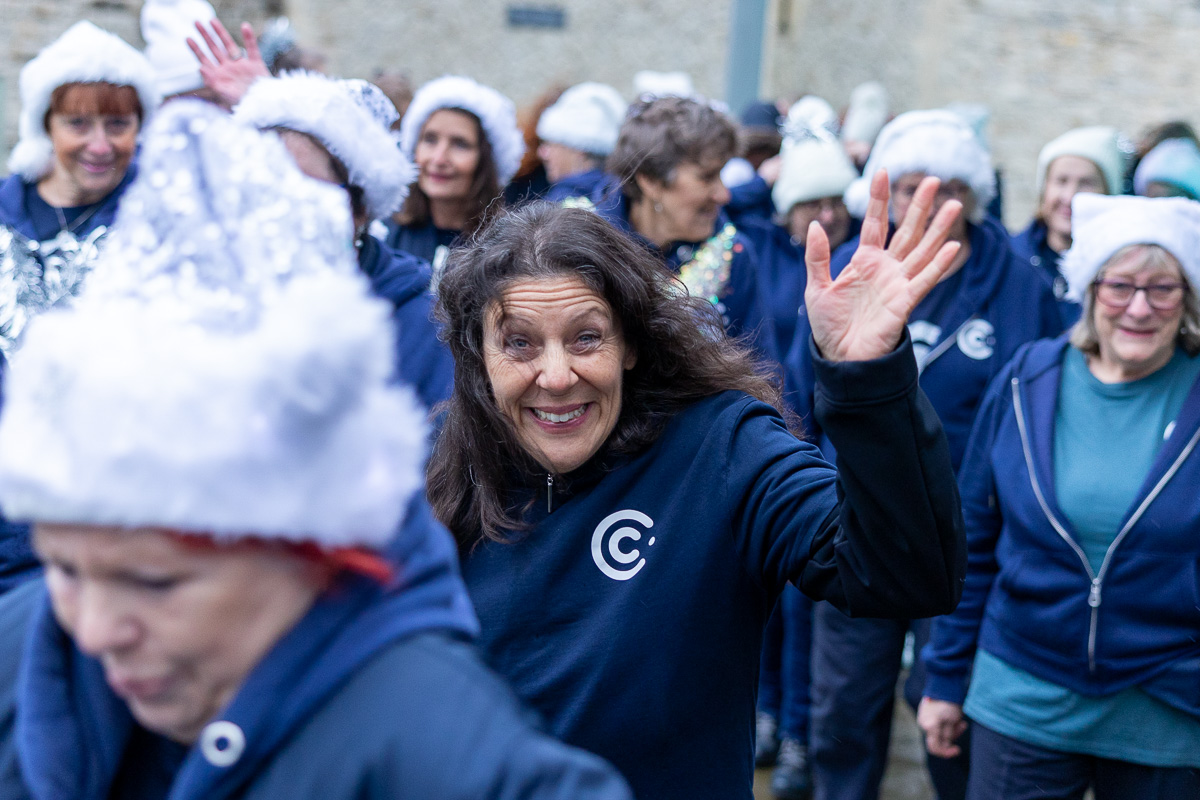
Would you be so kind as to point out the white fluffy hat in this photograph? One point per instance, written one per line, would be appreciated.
(663, 84)
(938, 143)
(808, 115)
(867, 114)
(495, 113)
(227, 370)
(587, 117)
(1103, 224)
(83, 54)
(166, 26)
(1097, 143)
(813, 168)
(347, 119)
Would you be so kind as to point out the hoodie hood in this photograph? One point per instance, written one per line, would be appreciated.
(72, 731)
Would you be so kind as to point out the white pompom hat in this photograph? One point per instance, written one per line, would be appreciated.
(867, 114)
(813, 168)
(1099, 144)
(1101, 225)
(334, 113)
(83, 54)
(166, 26)
(495, 112)
(227, 370)
(938, 143)
(663, 84)
(587, 117)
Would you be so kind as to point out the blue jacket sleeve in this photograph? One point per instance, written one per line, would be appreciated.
(882, 535)
(951, 649)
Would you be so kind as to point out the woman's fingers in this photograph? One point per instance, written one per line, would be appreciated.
(924, 281)
(912, 227)
(200, 54)
(816, 257)
(219, 53)
(250, 42)
(231, 47)
(875, 222)
(932, 240)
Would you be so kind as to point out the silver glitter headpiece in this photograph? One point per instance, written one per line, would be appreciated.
(225, 370)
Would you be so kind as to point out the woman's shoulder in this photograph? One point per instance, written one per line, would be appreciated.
(12, 201)
(424, 718)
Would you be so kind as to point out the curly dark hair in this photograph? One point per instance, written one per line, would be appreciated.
(683, 355)
(660, 133)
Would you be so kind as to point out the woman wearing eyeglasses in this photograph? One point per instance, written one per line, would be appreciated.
(1075, 648)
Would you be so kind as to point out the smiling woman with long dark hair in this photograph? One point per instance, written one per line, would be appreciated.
(629, 501)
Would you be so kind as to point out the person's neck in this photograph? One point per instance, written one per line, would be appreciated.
(1057, 241)
(449, 215)
(1109, 370)
(648, 222)
(61, 193)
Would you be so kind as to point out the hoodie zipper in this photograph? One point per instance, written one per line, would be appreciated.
(1095, 596)
(549, 492)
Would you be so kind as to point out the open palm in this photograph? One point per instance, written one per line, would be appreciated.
(229, 71)
(862, 315)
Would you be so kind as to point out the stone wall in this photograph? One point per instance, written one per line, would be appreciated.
(603, 41)
(1041, 66)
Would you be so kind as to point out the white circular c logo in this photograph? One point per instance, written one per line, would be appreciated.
(222, 743)
(612, 560)
(977, 339)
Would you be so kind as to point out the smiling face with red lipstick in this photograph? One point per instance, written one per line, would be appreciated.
(176, 627)
(556, 361)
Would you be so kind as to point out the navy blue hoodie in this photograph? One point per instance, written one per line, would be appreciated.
(735, 294)
(373, 694)
(1031, 245)
(423, 361)
(631, 613)
(589, 183)
(421, 241)
(1031, 598)
(15, 214)
(1000, 304)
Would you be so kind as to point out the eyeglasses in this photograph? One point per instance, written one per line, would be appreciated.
(1160, 296)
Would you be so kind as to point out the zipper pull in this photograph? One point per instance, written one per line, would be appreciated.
(549, 491)
(1094, 594)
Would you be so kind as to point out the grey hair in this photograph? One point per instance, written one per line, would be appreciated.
(1086, 338)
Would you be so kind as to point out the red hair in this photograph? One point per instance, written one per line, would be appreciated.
(94, 98)
(355, 560)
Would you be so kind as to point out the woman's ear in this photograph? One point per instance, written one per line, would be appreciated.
(630, 359)
(651, 188)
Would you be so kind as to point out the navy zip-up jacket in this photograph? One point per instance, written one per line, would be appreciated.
(1001, 305)
(738, 298)
(423, 362)
(589, 183)
(750, 201)
(1031, 597)
(421, 241)
(374, 695)
(15, 215)
(1030, 245)
(782, 275)
(631, 612)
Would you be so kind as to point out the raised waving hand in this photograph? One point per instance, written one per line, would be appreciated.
(230, 70)
(862, 314)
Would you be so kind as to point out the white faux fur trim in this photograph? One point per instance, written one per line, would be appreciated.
(938, 143)
(322, 108)
(495, 112)
(226, 371)
(83, 54)
(1103, 224)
